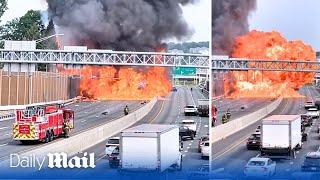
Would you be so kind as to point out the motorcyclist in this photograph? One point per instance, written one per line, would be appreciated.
(224, 119)
(190, 89)
(126, 110)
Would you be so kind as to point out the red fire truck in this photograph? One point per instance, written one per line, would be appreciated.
(42, 123)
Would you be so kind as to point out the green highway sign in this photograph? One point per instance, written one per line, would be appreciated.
(185, 71)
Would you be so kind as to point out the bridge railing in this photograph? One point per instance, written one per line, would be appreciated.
(104, 57)
(265, 65)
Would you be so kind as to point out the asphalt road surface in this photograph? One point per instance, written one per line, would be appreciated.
(239, 107)
(166, 111)
(230, 155)
(87, 115)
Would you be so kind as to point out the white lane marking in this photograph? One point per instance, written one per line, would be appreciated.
(8, 119)
(201, 94)
(309, 92)
(3, 144)
(218, 170)
(83, 121)
(4, 128)
(8, 134)
(186, 151)
(189, 144)
(192, 98)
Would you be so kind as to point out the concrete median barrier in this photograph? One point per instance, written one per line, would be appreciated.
(224, 130)
(78, 143)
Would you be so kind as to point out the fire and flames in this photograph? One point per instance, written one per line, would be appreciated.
(268, 84)
(123, 83)
(58, 42)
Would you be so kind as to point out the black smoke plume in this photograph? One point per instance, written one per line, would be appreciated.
(229, 20)
(131, 25)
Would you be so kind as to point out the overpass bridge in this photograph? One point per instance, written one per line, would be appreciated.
(235, 64)
(102, 57)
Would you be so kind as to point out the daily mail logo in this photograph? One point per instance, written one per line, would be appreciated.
(54, 160)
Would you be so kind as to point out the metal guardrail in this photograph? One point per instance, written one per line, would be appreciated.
(7, 117)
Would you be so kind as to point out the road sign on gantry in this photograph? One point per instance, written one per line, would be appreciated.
(186, 71)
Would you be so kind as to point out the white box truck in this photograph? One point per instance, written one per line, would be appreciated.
(150, 147)
(281, 136)
(203, 107)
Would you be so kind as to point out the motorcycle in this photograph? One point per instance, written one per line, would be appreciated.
(126, 111)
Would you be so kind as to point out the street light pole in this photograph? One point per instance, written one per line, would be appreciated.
(48, 37)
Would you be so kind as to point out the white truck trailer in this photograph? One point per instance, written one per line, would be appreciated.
(203, 107)
(150, 147)
(281, 136)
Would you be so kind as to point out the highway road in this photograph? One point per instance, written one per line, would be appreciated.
(229, 156)
(87, 115)
(166, 111)
(238, 107)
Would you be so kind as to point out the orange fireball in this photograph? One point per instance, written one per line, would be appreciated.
(268, 46)
(123, 83)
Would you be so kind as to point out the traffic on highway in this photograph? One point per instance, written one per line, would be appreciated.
(284, 144)
(176, 129)
(86, 114)
(189, 140)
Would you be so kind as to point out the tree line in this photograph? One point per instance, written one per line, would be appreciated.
(186, 46)
(29, 27)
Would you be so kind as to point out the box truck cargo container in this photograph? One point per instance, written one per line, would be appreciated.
(281, 135)
(203, 107)
(150, 147)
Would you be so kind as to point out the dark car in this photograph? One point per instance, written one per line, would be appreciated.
(254, 142)
(304, 136)
(114, 158)
(306, 120)
(309, 104)
(185, 132)
(174, 89)
(311, 162)
(181, 144)
(303, 128)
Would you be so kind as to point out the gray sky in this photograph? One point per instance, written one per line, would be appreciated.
(295, 19)
(197, 15)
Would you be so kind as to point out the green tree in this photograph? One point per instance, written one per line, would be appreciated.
(28, 27)
(50, 30)
(3, 7)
